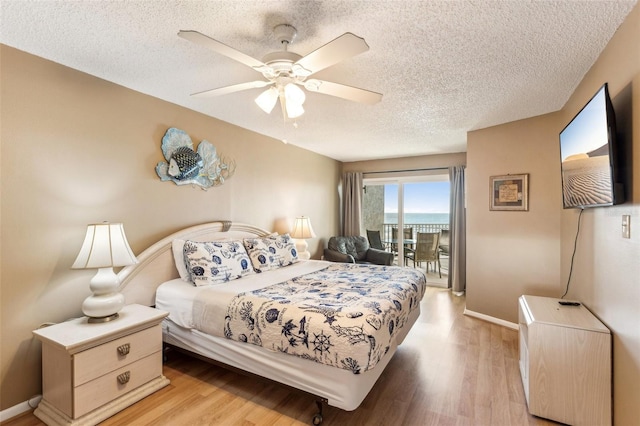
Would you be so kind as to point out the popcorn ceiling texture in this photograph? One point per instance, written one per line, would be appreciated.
(444, 67)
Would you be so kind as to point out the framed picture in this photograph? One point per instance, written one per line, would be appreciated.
(509, 192)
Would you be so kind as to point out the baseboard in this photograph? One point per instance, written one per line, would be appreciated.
(491, 319)
(21, 408)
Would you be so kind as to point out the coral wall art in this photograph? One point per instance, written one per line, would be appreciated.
(185, 166)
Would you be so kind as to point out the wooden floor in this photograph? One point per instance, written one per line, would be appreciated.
(450, 370)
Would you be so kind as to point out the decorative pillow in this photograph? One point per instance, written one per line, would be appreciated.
(271, 252)
(216, 262)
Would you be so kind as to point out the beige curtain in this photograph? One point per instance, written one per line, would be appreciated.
(457, 232)
(351, 203)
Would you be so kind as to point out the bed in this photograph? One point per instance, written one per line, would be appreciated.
(286, 323)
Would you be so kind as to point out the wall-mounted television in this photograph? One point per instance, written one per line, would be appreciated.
(588, 156)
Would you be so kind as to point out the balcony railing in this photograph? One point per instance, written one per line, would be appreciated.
(416, 227)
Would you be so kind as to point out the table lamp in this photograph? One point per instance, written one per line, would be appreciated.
(105, 246)
(301, 231)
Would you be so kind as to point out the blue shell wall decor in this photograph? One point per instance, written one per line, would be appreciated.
(185, 166)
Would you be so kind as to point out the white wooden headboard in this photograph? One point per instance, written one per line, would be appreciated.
(155, 264)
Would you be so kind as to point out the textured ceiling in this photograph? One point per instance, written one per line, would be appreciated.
(444, 67)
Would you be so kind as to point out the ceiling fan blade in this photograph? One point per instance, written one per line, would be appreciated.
(231, 89)
(342, 91)
(343, 47)
(220, 48)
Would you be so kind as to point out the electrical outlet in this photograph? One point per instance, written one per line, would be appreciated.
(626, 226)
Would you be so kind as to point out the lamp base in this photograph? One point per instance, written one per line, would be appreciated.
(301, 248)
(96, 320)
(105, 302)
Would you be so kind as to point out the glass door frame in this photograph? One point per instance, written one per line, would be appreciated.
(428, 176)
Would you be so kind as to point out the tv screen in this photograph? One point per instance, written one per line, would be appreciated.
(587, 151)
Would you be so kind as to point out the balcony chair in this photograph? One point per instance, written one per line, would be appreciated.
(426, 250)
(407, 234)
(374, 239)
(443, 245)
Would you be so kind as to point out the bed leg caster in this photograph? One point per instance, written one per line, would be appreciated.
(317, 419)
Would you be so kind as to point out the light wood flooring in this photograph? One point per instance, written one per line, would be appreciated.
(450, 370)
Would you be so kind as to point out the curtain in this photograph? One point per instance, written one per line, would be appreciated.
(351, 203)
(457, 232)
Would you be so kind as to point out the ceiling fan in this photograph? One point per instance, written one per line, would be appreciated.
(285, 71)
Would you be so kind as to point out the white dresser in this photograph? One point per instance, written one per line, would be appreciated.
(565, 362)
(92, 371)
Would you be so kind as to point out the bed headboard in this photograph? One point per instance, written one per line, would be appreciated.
(155, 265)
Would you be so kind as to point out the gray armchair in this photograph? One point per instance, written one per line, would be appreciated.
(355, 249)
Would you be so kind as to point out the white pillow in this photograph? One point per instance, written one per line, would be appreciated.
(271, 252)
(216, 262)
(178, 257)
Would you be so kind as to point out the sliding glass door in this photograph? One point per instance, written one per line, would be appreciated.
(416, 204)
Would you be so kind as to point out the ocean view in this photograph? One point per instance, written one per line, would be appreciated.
(418, 218)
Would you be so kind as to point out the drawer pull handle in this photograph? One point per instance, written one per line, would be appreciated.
(124, 349)
(124, 377)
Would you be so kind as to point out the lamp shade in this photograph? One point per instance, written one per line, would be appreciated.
(302, 229)
(294, 110)
(294, 97)
(267, 99)
(105, 245)
(294, 94)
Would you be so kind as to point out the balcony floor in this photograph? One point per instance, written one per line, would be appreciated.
(433, 278)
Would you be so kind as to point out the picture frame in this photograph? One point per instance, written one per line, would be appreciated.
(509, 192)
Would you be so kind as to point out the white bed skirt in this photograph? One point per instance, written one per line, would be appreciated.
(340, 388)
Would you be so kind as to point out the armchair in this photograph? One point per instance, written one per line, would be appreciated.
(355, 249)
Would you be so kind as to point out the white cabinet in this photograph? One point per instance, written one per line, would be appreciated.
(565, 362)
(91, 371)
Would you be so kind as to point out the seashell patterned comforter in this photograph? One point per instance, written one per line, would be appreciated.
(345, 315)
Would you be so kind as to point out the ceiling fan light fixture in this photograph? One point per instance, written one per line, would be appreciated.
(294, 94)
(294, 110)
(293, 98)
(267, 99)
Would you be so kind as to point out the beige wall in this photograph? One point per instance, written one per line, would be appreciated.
(510, 253)
(76, 149)
(517, 253)
(407, 163)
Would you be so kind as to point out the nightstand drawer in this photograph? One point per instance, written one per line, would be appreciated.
(98, 361)
(98, 392)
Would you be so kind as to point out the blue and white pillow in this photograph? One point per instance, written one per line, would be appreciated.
(272, 252)
(216, 262)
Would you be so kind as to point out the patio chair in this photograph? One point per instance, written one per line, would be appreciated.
(426, 250)
(407, 234)
(374, 239)
(443, 245)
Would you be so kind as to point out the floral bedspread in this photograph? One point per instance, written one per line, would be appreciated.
(345, 315)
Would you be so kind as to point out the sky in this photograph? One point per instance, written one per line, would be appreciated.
(588, 130)
(427, 197)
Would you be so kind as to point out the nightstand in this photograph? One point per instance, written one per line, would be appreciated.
(92, 371)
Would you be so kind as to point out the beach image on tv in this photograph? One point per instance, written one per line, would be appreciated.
(586, 180)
